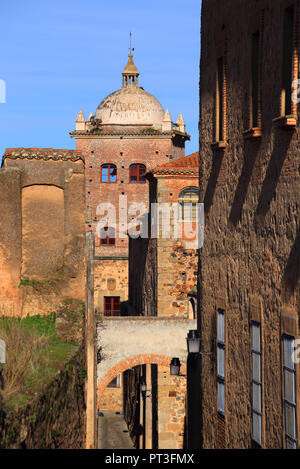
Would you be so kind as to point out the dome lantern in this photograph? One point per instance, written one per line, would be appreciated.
(130, 75)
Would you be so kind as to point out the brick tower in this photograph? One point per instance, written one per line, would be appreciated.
(129, 135)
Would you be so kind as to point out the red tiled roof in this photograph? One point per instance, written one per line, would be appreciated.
(189, 161)
(186, 165)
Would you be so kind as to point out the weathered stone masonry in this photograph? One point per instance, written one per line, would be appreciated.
(42, 192)
(250, 188)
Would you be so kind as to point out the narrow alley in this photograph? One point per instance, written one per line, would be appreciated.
(112, 431)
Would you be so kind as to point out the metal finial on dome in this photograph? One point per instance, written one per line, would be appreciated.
(130, 48)
(130, 73)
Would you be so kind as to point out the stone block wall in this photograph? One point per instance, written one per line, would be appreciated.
(42, 246)
(250, 259)
(171, 409)
(111, 279)
(112, 398)
(10, 241)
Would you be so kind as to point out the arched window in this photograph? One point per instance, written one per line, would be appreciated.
(108, 172)
(107, 236)
(188, 199)
(137, 173)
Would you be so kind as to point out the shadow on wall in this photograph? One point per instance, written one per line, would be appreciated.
(291, 274)
(250, 154)
(124, 308)
(213, 179)
(193, 435)
(282, 140)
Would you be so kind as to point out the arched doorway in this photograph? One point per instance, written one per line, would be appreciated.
(153, 400)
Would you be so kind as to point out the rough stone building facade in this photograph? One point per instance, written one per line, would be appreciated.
(249, 265)
(163, 269)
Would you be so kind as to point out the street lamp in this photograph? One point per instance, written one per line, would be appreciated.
(175, 367)
(143, 387)
(193, 341)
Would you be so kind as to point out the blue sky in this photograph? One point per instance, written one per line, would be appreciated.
(60, 56)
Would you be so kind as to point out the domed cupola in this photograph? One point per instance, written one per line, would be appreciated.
(130, 105)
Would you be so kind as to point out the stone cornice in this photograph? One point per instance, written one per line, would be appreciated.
(176, 171)
(148, 133)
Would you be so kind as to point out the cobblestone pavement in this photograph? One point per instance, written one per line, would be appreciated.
(112, 431)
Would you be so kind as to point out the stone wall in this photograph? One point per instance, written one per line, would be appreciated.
(111, 279)
(171, 409)
(54, 419)
(163, 270)
(42, 247)
(112, 398)
(250, 259)
(10, 241)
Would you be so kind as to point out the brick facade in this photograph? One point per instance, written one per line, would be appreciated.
(122, 151)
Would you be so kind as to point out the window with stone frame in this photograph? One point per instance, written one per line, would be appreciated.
(112, 306)
(289, 380)
(188, 200)
(108, 172)
(256, 384)
(221, 361)
(255, 121)
(220, 101)
(287, 61)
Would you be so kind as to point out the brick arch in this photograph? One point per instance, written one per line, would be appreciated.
(145, 359)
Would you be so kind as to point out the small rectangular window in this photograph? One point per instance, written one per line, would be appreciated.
(221, 361)
(107, 236)
(289, 373)
(137, 173)
(111, 306)
(254, 115)
(108, 173)
(256, 384)
(287, 61)
(220, 101)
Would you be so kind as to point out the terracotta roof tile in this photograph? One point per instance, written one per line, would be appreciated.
(186, 165)
(189, 161)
